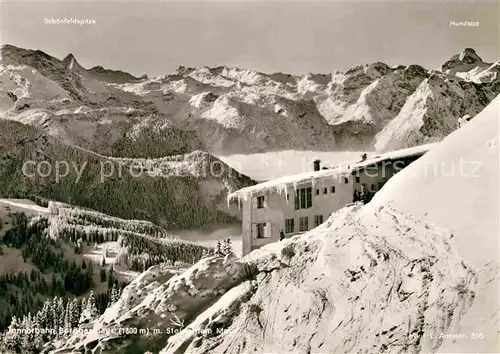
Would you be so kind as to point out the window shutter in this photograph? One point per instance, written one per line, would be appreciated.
(267, 231)
(266, 201)
(254, 203)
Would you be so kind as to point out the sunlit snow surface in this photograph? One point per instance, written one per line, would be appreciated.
(272, 165)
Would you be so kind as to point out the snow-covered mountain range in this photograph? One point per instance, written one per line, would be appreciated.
(231, 110)
(413, 271)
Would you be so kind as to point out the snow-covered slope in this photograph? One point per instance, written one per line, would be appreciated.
(464, 172)
(160, 300)
(230, 111)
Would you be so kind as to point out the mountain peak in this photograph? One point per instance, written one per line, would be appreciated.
(469, 56)
(71, 63)
(465, 61)
(69, 57)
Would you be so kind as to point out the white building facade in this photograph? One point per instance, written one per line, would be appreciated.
(292, 205)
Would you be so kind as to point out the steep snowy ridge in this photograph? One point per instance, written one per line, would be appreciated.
(48, 66)
(464, 165)
(431, 112)
(223, 106)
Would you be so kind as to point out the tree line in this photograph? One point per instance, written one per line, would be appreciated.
(23, 293)
(56, 319)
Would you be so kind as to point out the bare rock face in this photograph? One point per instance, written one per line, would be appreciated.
(467, 56)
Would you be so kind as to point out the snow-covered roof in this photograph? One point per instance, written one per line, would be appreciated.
(395, 155)
(281, 184)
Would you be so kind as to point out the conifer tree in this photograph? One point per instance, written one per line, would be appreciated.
(228, 248)
(29, 336)
(75, 312)
(37, 335)
(67, 318)
(89, 311)
(12, 338)
(218, 250)
(58, 306)
(114, 296)
(47, 318)
(92, 305)
(83, 307)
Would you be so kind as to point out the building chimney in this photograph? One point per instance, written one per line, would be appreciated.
(316, 164)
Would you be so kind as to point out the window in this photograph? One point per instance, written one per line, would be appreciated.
(374, 188)
(346, 180)
(333, 189)
(303, 223)
(317, 191)
(260, 202)
(325, 190)
(262, 230)
(289, 226)
(303, 198)
(287, 197)
(357, 179)
(318, 220)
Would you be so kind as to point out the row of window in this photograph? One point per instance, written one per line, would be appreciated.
(303, 196)
(263, 232)
(303, 223)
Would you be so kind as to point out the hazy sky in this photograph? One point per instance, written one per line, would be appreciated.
(296, 37)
